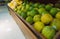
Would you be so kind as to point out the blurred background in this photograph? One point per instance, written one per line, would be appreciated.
(3, 2)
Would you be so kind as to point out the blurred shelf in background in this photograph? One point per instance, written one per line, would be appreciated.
(3, 2)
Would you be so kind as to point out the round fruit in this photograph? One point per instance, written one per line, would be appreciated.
(36, 5)
(24, 4)
(19, 7)
(58, 9)
(45, 12)
(29, 19)
(32, 13)
(23, 15)
(41, 6)
(19, 12)
(38, 26)
(23, 9)
(30, 8)
(41, 10)
(56, 24)
(53, 11)
(48, 7)
(58, 15)
(31, 4)
(15, 9)
(36, 18)
(27, 6)
(46, 18)
(48, 32)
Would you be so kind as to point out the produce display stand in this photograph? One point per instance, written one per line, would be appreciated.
(57, 36)
(27, 29)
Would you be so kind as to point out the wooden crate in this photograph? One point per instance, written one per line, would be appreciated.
(27, 29)
(57, 36)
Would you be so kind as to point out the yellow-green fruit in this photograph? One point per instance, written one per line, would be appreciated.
(48, 32)
(46, 18)
(38, 26)
(27, 6)
(36, 18)
(48, 7)
(56, 24)
(41, 10)
(29, 19)
(58, 15)
(15, 9)
(19, 7)
(53, 11)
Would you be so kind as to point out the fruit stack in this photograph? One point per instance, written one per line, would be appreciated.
(14, 3)
(44, 18)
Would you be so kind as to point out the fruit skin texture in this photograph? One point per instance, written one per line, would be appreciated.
(58, 15)
(48, 7)
(36, 5)
(45, 12)
(27, 6)
(56, 24)
(48, 32)
(53, 11)
(41, 10)
(23, 15)
(32, 13)
(29, 19)
(38, 26)
(46, 18)
(41, 6)
(15, 9)
(36, 18)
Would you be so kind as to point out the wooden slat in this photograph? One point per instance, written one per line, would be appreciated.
(28, 34)
(56, 36)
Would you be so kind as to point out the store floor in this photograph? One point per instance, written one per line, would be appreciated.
(8, 27)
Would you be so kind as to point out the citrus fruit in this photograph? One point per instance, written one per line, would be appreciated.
(24, 4)
(19, 7)
(45, 12)
(58, 15)
(15, 9)
(29, 19)
(32, 13)
(53, 11)
(30, 8)
(23, 9)
(19, 12)
(31, 3)
(38, 26)
(41, 6)
(36, 18)
(48, 32)
(41, 10)
(27, 6)
(46, 18)
(23, 15)
(48, 7)
(36, 5)
(56, 24)
(58, 9)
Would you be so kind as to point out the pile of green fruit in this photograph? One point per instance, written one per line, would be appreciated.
(44, 18)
